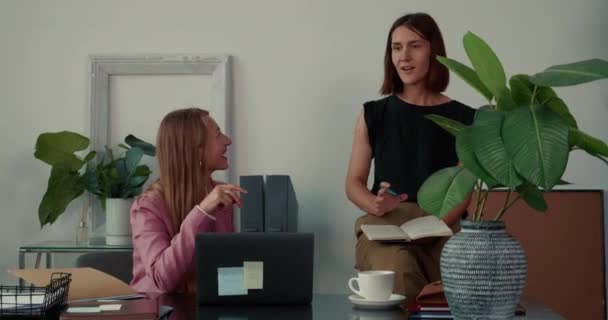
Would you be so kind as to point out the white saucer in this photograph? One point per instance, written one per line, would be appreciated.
(363, 303)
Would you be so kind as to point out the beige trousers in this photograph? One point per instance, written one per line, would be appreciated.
(415, 264)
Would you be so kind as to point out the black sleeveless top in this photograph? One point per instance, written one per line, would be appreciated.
(407, 147)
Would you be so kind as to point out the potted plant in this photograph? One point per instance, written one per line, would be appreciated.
(520, 141)
(113, 180)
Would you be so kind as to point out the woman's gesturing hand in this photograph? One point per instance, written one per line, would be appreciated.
(222, 195)
(385, 200)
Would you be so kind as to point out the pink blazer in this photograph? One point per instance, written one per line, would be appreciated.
(161, 263)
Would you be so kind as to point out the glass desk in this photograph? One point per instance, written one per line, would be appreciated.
(50, 247)
(323, 307)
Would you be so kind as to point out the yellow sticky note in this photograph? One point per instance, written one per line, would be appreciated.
(253, 274)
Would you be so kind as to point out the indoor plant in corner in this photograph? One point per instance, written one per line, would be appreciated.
(520, 141)
(113, 180)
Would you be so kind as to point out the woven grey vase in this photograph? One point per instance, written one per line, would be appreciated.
(483, 270)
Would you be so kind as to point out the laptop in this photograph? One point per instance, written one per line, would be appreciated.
(254, 268)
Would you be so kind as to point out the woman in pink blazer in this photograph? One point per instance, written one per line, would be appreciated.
(183, 202)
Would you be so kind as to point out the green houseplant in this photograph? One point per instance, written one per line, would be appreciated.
(108, 177)
(520, 141)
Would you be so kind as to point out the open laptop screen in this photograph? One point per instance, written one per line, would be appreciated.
(254, 268)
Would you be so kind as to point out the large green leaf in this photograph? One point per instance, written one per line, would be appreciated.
(522, 89)
(466, 155)
(57, 148)
(64, 186)
(445, 190)
(537, 140)
(468, 75)
(547, 97)
(532, 196)
(485, 62)
(133, 157)
(490, 149)
(572, 73)
(504, 100)
(148, 148)
(586, 142)
(450, 125)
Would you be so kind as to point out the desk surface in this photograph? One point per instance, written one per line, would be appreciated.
(324, 306)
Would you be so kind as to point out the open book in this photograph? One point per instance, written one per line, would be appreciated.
(426, 226)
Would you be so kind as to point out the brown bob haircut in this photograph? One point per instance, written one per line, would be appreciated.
(424, 25)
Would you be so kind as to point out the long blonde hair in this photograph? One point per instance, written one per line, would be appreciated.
(183, 180)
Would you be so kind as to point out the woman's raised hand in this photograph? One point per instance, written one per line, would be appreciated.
(222, 195)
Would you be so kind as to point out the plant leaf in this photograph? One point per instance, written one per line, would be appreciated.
(466, 155)
(132, 192)
(537, 140)
(64, 186)
(133, 157)
(522, 89)
(490, 149)
(468, 75)
(89, 156)
(572, 73)
(549, 99)
(57, 148)
(450, 125)
(109, 153)
(504, 100)
(142, 170)
(149, 149)
(485, 62)
(89, 180)
(586, 142)
(445, 190)
(136, 181)
(120, 166)
(532, 196)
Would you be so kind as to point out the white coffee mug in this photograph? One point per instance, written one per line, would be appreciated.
(373, 285)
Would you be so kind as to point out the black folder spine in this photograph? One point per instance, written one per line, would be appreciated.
(252, 212)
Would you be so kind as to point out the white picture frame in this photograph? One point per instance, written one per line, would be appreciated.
(103, 67)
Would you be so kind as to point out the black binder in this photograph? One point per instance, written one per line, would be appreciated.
(281, 207)
(252, 212)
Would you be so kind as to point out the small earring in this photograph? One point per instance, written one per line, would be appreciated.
(200, 163)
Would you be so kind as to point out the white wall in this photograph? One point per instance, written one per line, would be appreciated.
(301, 71)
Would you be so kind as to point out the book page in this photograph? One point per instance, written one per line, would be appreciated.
(384, 232)
(427, 226)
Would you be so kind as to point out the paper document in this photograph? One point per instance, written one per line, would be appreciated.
(12, 300)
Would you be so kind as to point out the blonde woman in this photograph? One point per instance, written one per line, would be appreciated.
(183, 202)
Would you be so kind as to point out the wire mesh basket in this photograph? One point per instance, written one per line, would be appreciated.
(31, 302)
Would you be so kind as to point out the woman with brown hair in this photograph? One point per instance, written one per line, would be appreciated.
(406, 148)
(183, 202)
